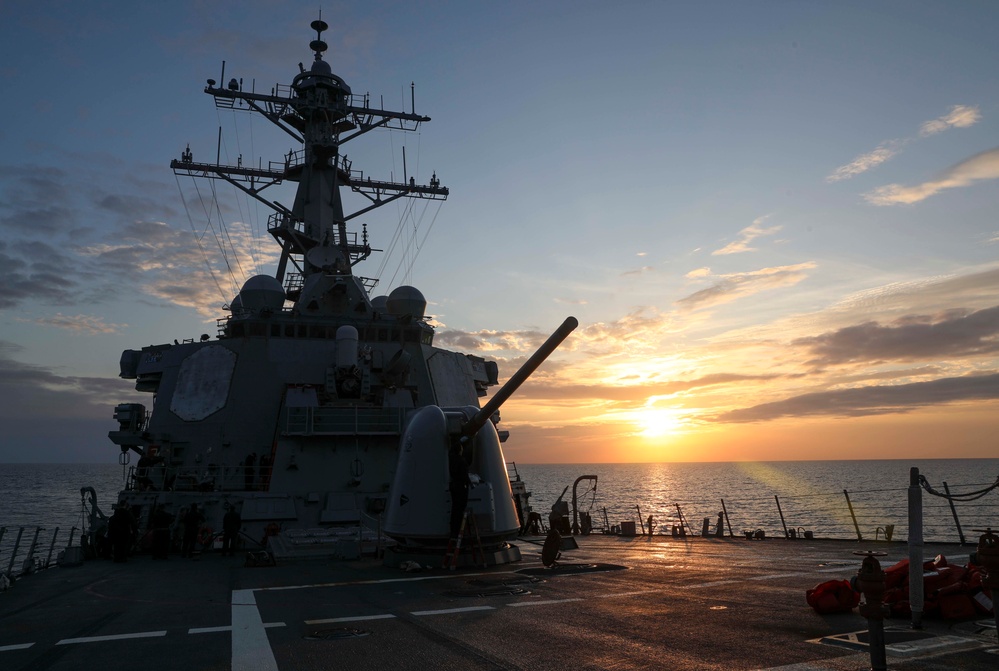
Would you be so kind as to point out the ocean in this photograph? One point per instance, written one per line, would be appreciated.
(809, 494)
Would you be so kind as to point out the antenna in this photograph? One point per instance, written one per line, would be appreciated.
(317, 44)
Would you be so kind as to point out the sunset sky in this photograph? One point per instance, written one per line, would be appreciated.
(777, 222)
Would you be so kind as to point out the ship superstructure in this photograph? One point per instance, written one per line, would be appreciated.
(296, 413)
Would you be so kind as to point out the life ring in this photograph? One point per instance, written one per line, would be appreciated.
(205, 536)
(272, 529)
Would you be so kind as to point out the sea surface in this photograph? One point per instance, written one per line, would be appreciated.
(809, 494)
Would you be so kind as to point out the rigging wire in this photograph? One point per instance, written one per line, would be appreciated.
(224, 231)
(197, 239)
(242, 196)
(255, 237)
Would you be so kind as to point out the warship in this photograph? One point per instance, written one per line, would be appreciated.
(331, 423)
(325, 416)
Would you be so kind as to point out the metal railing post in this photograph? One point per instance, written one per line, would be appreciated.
(13, 553)
(48, 560)
(915, 549)
(782, 523)
(853, 515)
(29, 562)
(727, 521)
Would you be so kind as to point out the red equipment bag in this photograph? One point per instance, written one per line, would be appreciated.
(833, 596)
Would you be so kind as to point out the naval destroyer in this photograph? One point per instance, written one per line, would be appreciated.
(323, 414)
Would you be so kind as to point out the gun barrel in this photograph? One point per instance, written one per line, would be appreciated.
(506, 391)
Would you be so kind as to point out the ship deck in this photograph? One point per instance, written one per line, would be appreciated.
(675, 604)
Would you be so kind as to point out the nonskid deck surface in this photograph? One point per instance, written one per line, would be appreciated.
(693, 604)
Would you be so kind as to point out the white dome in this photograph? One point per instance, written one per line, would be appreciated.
(262, 292)
(406, 300)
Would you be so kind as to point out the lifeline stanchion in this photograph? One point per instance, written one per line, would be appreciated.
(782, 522)
(853, 515)
(870, 581)
(727, 521)
(915, 548)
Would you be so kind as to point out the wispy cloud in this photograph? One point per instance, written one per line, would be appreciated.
(632, 392)
(865, 162)
(978, 168)
(698, 273)
(874, 400)
(84, 324)
(746, 236)
(959, 116)
(739, 285)
(26, 387)
(491, 341)
(956, 333)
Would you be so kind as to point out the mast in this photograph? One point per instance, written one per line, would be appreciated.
(322, 114)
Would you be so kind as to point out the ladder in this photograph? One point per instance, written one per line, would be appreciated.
(468, 528)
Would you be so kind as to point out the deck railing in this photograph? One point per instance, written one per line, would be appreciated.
(25, 550)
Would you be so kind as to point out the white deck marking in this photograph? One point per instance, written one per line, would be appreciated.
(212, 630)
(707, 584)
(113, 637)
(251, 651)
(617, 594)
(19, 646)
(208, 630)
(546, 602)
(384, 581)
(774, 576)
(448, 611)
(356, 618)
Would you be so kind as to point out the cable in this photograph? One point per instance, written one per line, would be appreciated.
(967, 496)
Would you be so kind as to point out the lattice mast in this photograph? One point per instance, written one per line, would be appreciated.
(322, 114)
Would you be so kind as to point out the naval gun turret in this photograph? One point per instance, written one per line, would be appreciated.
(421, 506)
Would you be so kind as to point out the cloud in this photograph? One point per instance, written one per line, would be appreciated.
(491, 341)
(641, 329)
(630, 392)
(28, 390)
(960, 116)
(698, 273)
(84, 324)
(875, 400)
(979, 167)
(740, 285)
(177, 267)
(26, 275)
(747, 235)
(974, 290)
(955, 333)
(637, 273)
(865, 162)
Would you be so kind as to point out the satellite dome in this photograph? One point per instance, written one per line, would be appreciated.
(236, 308)
(262, 292)
(380, 304)
(321, 68)
(406, 300)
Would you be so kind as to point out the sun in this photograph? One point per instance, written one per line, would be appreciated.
(656, 422)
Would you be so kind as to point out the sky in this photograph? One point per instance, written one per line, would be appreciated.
(776, 222)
